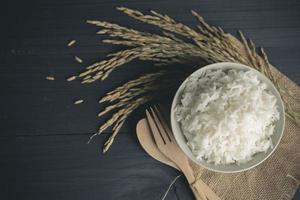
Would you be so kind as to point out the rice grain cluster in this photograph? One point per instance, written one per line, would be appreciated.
(227, 116)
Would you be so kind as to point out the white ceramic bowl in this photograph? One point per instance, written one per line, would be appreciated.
(229, 168)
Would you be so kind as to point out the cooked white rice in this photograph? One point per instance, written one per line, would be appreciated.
(227, 116)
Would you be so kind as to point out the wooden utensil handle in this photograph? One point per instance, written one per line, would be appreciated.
(198, 195)
(202, 191)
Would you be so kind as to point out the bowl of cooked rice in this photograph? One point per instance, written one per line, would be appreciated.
(227, 117)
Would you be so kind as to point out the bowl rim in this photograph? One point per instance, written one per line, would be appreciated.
(176, 131)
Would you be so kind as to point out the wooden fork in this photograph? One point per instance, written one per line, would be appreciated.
(167, 145)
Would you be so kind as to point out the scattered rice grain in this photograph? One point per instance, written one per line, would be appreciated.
(50, 78)
(71, 43)
(78, 102)
(78, 59)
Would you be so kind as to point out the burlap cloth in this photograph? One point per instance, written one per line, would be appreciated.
(277, 177)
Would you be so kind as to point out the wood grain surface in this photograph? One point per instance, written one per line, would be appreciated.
(43, 135)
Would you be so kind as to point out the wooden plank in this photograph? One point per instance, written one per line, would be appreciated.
(65, 167)
(63, 16)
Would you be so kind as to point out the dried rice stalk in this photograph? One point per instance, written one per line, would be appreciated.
(128, 97)
(208, 43)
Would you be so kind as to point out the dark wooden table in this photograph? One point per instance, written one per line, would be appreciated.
(43, 136)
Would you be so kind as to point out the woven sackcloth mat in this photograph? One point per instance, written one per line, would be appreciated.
(277, 177)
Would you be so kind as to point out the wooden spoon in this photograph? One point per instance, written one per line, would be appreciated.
(146, 140)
